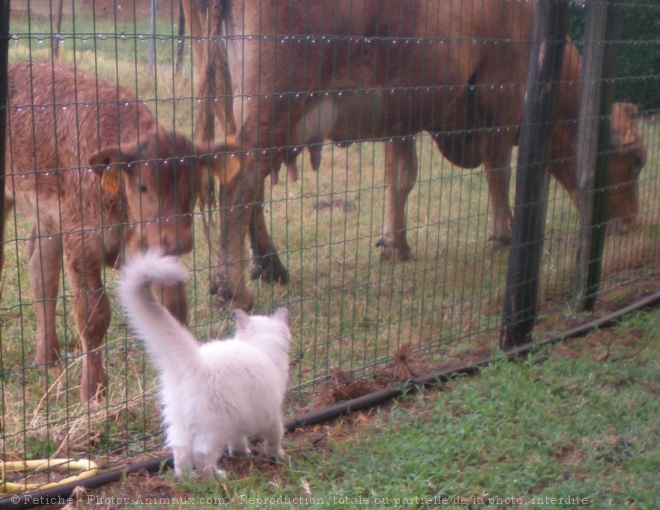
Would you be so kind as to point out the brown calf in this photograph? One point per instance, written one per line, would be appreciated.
(101, 179)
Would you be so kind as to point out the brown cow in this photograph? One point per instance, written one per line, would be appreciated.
(374, 70)
(101, 179)
(627, 157)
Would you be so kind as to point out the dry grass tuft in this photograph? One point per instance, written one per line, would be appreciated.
(346, 387)
(404, 357)
(567, 453)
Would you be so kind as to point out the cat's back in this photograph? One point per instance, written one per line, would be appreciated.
(235, 357)
(230, 349)
(232, 362)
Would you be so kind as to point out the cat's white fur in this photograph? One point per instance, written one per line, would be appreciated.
(215, 395)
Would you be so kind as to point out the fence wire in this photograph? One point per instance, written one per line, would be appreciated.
(359, 323)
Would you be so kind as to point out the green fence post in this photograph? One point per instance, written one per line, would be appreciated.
(592, 149)
(528, 228)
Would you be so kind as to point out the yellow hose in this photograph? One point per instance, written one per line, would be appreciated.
(86, 467)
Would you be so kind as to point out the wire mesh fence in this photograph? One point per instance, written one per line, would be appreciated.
(358, 322)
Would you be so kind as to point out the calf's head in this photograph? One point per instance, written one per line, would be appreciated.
(627, 157)
(159, 175)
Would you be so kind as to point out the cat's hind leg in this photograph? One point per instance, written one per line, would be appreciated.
(273, 439)
(183, 461)
(206, 463)
(239, 448)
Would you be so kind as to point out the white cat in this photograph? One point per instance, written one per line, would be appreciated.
(216, 395)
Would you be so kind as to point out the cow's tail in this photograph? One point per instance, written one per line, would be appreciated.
(215, 100)
(215, 87)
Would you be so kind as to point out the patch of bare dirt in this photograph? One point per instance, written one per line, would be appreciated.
(337, 203)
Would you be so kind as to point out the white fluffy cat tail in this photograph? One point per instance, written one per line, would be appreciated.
(166, 340)
(152, 267)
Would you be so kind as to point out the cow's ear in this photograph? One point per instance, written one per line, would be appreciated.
(108, 163)
(619, 140)
(624, 131)
(105, 157)
(220, 159)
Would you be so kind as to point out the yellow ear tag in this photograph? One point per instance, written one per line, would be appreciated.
(629, 138)
(110, 180)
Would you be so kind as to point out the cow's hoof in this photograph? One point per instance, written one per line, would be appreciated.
(226, 299)
(226, 302)
(220, 292)
(622, 227)
(92, 388)
(500, 242)
(50, 357)
(270, 271)
(390, 252)
(214, 286)
(218, 286)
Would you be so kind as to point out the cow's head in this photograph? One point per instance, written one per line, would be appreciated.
(626, 161)
(160, 176)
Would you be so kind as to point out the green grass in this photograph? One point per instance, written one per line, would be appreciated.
(350, 313)
(578, 420)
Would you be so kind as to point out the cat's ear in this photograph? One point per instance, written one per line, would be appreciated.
(282, 315)
(242, 318)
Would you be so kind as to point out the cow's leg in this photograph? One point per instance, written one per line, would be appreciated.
(497, 163)
(44, 266)
(174, 299)
(400, 177)
(267, 264)
(8, 208)
(91, 310)
(238, 199)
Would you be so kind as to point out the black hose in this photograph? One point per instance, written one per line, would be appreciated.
(60, 494)
(380, 396)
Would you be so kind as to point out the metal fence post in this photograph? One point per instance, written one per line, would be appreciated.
(152, 33)
(593, 146)
(180, 44)
(4, 98)
(55, 41)
(528, 228)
